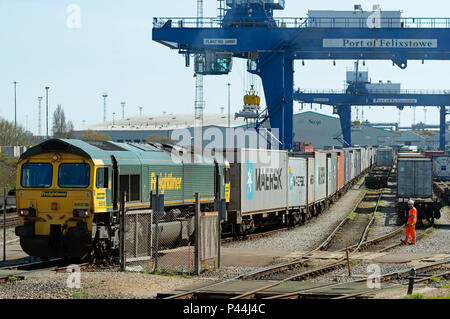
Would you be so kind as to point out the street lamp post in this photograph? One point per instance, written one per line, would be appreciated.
(46, 102)
(229, 112)
(15, 107)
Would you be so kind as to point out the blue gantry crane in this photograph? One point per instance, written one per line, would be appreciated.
(247, 29)
(361, 92)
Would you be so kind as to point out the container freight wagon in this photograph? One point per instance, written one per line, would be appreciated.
(332, 167)
(298, 189)
(385, 156)
(415, 181)
(340, 170)
(259, 186)
(441, 167)
(347, 166)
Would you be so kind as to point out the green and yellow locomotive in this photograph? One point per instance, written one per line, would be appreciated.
(68, 192)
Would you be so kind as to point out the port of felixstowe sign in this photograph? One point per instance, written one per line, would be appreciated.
(380, 43)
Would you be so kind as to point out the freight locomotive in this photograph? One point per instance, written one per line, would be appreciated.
(68, 190)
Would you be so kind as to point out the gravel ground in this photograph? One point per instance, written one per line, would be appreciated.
(310, 235)
(10, 234)
(437, 242)
(94, 285)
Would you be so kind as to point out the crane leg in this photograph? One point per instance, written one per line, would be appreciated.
(277, 74)
(345, 115)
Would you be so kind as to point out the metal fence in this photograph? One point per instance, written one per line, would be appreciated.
(166, 241)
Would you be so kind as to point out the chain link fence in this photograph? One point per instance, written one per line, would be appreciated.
(167, 242)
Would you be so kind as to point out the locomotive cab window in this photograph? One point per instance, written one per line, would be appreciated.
(131, 184)
(36, 175)
(73, 175)
(102, 178)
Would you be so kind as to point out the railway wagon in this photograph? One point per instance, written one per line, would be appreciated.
(415, 181)
(259, 189)
(68, 192)
(385, 156)
(298, 189)
(341, 170)
(441, 167)
(332, 167)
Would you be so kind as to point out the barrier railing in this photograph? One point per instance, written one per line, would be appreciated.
(351, 22)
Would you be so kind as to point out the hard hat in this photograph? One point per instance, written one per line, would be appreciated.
(411, 202)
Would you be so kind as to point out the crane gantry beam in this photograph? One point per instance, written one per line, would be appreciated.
(249, 31)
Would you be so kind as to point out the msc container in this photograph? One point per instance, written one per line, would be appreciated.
(259, 181)
(331, 173)
(414, 177)
(441, 167)
(298, 181)
(385, 157)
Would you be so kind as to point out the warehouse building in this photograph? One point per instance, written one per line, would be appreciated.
(322, 131)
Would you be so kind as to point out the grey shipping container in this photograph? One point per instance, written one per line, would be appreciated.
(414, 177)
(331, 174)
(441, 167)
(321, 176)
(297, 181)
(385, 157)
(311, 180)
(352, 164)
(259, 181)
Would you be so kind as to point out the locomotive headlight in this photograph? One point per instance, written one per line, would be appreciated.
(81, 213)
(27, 212)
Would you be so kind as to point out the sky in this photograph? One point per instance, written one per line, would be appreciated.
(112, 51)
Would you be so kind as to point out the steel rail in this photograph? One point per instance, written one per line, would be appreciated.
(385, 276)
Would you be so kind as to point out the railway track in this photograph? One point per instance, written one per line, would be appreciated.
(21, 270)
(299, 267)
(12, 220)
(272, 232)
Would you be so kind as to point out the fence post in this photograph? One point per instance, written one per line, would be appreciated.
(197, 234)
(222, 214)
(155, 207)
(5, 192)
(122, 230)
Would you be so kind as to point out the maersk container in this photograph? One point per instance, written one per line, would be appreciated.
(321, 176)
(331, 173)
(298, 180)
(259, 181)
(414, 177)
(385, 156)
(441, 167)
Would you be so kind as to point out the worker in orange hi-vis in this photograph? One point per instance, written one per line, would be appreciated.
(411, 225)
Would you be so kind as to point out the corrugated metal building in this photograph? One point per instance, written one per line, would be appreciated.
(318, 129)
